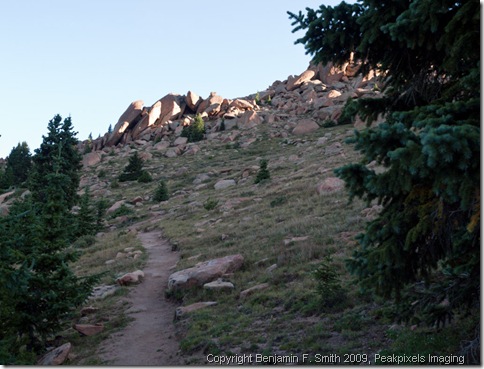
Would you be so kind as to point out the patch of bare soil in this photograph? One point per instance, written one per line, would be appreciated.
(150, 338)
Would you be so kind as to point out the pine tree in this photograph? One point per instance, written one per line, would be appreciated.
(133, 170)
(19, 163)
(42, 290)
(263, 173)
(195, 131)
(161, 193)
(86, 218)
(423, 249)
(59, 149)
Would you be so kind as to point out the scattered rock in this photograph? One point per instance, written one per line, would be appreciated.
(115, 207)
(89, 329)
(91, 159)
(130, 278)
(219, 284)
(205, 272)
(330, 185)
(88, 310)
(305, 126)
(103, 291)
(251, 290)
(224, 183)
(183, 310)
(56, 356)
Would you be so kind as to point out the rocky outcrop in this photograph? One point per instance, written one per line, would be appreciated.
(127, 119)
(319, 94)
(205, 272)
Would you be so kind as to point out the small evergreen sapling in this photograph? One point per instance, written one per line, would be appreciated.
(263, 173)
(161, 193)
(133, 170)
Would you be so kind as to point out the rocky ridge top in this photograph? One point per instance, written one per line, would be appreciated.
(319, 93)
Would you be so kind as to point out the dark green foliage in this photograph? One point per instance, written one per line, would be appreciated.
(101, 206)
(57, 154)
(122, 210)
(257, 98)
(263, 173)
(424, 247)
(19, 163)
(349, 112)
(86, 218)
(329, 286)
(133, 170)
(222, 125)
(110, 129)
(195, 131)
(161, 193)
(145, 177)
(210, 204)
(35, 277)
(333, 33)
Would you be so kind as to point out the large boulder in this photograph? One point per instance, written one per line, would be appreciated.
(193, 101)
(56, 356)
(305, 126)
(132, 113)
(171, 108)
(224, 183)
(91, 158)
(294, 83)
(130, 278)
(212, 99)
(148, 120)
(205, 272)
(89, 329)
(249, 119)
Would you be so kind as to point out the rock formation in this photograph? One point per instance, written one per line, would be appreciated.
(319, 93)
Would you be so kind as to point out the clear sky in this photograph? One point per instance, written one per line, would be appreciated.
(91, 58)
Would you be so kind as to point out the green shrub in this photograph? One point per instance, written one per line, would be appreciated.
(133, 170)
(329, 287)
(161, 193)
(145, 177)
(195, 131)
(122, 210)
(263, 173)
(257, 98)
(210, 204)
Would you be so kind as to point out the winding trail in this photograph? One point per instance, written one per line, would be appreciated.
(150, 338)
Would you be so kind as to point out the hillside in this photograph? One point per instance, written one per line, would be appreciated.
(292, 297)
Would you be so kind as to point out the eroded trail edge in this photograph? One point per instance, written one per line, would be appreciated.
(150, 338)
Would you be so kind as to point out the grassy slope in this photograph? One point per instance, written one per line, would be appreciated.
(290, 317)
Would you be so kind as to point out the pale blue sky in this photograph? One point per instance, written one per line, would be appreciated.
(90, 59)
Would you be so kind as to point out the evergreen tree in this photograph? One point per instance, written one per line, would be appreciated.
(133, 170)
(19, 162)
(86, 218)
(57, 153)
(37, 281)
(161, 193)
(195, 131)
(263, 173)
(424, 248)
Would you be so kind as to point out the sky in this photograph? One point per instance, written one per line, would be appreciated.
(90, 59)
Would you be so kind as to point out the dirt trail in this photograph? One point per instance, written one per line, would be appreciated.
(150, 338)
